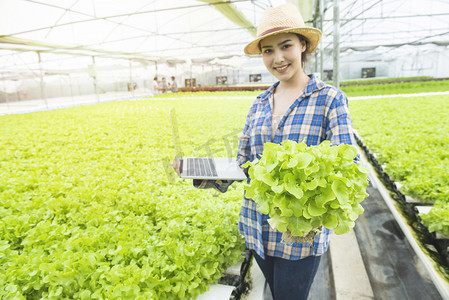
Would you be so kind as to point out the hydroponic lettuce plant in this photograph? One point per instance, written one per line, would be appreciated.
(88, 212)
(302, 188)
(437, 219)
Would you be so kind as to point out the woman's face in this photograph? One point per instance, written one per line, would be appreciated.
(281, 55)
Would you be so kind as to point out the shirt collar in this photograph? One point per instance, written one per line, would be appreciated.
(314, 85)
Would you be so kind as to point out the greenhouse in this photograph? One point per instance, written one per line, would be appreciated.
(337, 141)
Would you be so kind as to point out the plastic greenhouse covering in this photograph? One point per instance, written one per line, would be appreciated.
(204, 32)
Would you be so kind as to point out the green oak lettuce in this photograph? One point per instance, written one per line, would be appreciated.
(437, 219)
(87, 210)
(411, 137)
(302, 188)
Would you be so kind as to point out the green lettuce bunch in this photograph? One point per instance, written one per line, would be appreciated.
(302, 188)
(437, 219)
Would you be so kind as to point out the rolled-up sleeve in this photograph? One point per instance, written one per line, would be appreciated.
(244, 149)
(339, 130)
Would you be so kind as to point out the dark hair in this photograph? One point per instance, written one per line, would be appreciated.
(305, 54)
(155, 78)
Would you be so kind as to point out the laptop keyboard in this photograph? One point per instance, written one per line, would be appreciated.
(201, 166)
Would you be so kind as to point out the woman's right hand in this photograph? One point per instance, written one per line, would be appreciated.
(175, 166)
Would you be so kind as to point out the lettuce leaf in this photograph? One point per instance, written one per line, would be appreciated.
(302, 188)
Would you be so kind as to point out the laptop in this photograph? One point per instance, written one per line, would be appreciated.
(212, 168)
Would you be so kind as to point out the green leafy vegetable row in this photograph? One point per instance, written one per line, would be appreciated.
(385, 80)
(396, 88)
(411, 137)
(224, 95)
(387, 86)
(88, 211)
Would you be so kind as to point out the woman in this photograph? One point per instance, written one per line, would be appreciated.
(298, 107)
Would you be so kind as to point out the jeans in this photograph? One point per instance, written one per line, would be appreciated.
(288, 279)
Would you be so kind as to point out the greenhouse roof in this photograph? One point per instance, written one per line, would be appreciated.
(177, 29)
(202, 31)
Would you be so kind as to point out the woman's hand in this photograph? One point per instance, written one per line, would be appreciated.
(175, 166)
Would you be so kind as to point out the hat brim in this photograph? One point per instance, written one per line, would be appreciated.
(313, 36)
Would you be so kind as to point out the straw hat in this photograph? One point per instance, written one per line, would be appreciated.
(282, 19)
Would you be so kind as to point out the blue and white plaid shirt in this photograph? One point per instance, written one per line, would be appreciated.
(320, 113)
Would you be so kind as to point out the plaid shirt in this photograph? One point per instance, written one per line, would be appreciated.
(320, 113)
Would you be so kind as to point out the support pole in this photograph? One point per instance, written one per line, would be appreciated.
(203, 78)
(176, 71)
(316, 53)
(41, 75)
(336, 73)
(322, 40)
(71, 87)
(131, 77)
(94, 77)
(6, 91)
